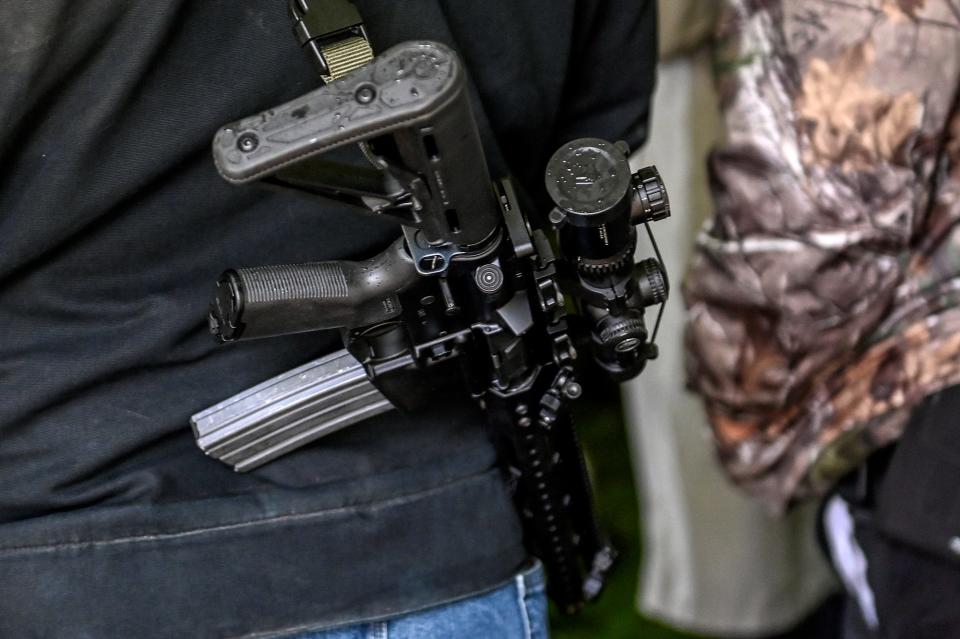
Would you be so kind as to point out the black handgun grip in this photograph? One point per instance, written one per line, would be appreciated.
(279, 300)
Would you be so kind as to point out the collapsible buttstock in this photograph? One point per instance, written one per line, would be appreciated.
(411, 105)
(404, 86)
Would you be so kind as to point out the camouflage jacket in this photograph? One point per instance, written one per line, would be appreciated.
(824, 296)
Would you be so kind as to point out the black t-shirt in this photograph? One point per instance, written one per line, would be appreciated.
(113, 226)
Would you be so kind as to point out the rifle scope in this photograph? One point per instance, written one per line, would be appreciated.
(598, 201)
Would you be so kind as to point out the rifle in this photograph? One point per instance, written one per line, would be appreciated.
(473, 284)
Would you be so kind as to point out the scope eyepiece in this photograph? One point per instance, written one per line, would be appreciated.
(589, 180)
(590, 183)
(598, 199)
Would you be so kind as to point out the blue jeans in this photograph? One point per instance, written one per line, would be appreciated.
(517, 610)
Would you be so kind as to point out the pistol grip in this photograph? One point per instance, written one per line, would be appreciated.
(265, 301)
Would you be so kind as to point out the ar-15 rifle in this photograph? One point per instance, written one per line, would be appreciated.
(472, 283)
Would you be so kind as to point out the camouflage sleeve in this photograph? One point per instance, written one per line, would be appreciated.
(836, 114)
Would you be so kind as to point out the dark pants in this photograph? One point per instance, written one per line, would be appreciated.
(917, 594)
(905, 508)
